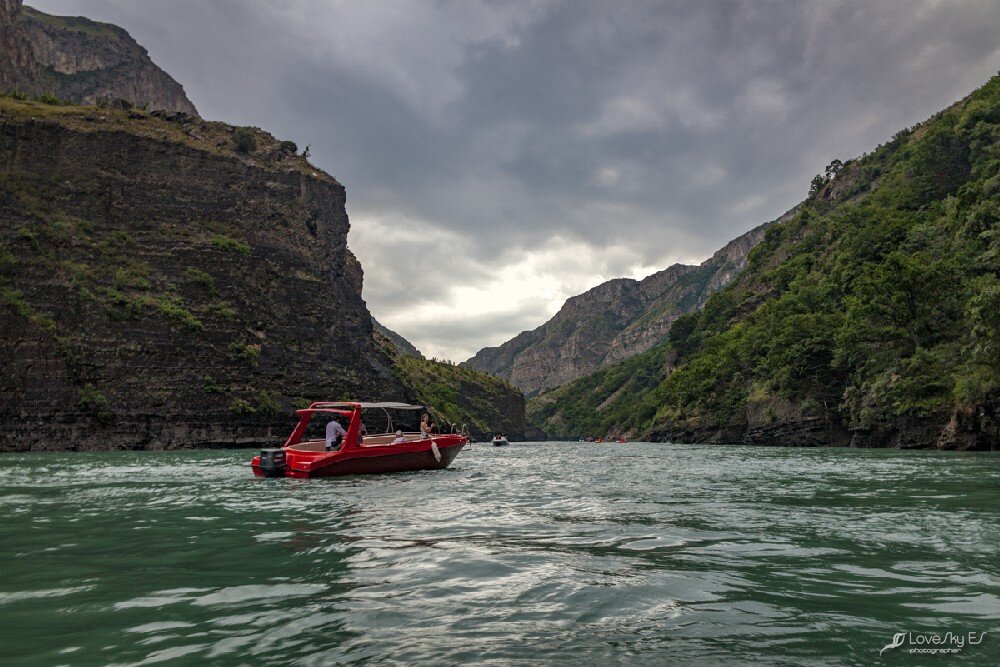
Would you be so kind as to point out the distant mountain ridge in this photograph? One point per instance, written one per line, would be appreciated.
(613, 321)
(81, 61)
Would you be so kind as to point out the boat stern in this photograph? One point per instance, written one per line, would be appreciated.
(272, 462)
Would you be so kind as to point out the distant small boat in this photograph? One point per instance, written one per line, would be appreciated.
(621, 438)
(599, 440)
(500, 441)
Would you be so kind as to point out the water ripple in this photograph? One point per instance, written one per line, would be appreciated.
(556, 553)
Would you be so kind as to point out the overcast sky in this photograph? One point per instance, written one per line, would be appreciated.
(500, 157)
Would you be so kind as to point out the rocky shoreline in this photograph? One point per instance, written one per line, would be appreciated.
(972, 430)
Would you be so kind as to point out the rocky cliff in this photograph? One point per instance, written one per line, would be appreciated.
(18, 67)
(611, 322)
(83, 61)
(170, 282)
(160, 289)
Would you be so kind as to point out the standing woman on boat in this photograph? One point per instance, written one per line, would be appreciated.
(425, 426)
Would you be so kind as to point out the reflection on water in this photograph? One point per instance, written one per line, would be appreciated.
(557, 552)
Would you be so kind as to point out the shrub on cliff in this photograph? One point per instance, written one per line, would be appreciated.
(91, 399)
(246, 351)
(244, 140)
(50, 99)
(200, 278)
(173, 308)
(230, 244)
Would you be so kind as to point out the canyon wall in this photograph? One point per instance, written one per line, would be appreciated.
(162, 289)
(81, 61)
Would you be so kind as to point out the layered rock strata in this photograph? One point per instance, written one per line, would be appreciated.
(158, 289)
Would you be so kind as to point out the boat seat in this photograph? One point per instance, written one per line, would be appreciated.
(386, 439)
(369, 441)
(310, 446)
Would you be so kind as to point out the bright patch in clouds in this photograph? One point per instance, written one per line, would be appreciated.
(457, 305)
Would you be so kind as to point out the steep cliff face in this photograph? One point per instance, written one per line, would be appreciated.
(611, 322)
(18, 67)
(83, 61)
(159, 289)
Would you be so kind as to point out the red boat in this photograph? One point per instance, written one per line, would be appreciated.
(358, 453)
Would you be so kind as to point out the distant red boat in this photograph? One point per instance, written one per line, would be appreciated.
(358, 454)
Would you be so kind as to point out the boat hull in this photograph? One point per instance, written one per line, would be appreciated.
(373, 465)
(370, 460)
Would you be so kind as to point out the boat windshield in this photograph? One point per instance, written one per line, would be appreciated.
(376, 421)
(388, 420)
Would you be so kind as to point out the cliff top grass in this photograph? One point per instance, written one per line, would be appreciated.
(75, 24)
(248, 144)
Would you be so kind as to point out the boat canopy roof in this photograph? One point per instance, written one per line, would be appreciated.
(350, 405)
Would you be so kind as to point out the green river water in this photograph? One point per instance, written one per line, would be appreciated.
(549, 553)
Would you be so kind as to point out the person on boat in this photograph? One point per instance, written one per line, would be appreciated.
(426, 426)
(399, 438)
(334, 434)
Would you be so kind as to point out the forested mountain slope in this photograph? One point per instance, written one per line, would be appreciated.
(871, 317)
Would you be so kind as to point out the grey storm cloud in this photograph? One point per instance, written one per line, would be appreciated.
(489, 129)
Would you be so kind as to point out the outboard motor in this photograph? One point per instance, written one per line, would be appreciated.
(272, 462)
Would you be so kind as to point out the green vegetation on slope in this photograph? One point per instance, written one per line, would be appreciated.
(459, 395)
(876, 304)
(611, 400)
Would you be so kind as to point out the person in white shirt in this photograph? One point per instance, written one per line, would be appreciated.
(399, 438)
(425, 426)
(334, 434)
